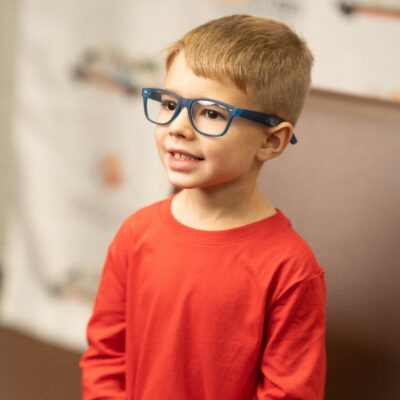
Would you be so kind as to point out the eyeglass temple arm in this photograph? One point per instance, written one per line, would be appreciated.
(267, 119)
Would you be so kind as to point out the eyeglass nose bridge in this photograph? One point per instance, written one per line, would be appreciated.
(182, 104)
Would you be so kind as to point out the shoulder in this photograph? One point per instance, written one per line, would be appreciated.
(294, 260)
(141, 221)
(297, 249)
(146, 215)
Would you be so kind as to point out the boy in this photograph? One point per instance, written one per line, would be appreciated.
(210, 294)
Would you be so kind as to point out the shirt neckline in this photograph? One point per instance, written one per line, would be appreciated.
(267, 226)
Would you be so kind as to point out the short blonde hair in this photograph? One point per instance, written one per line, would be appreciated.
(260, 55)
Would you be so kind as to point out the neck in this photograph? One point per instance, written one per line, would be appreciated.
(216, 209)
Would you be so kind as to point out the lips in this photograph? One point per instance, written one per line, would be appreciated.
(183, 161)
(183, 155)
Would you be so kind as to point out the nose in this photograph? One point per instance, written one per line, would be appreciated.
(181, 125)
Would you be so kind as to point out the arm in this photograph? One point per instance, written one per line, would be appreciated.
(103, 363)
(293, 364)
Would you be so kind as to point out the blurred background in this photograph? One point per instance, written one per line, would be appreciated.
(77, 157)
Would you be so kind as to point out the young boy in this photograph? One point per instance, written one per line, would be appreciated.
(210, 294)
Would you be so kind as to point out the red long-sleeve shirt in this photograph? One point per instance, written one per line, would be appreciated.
(184, 314)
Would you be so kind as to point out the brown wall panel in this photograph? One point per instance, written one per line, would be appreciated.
(340, 185)
(33, 370)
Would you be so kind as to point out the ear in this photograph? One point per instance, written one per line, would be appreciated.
(275, 141)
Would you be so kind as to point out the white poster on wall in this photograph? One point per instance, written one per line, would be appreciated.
(85, 158)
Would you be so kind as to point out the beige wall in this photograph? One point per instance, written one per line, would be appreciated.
(7, 45)
(340, 185)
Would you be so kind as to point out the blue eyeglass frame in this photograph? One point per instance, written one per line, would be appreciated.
(256, 116)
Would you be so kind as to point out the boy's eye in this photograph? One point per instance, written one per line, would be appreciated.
(212, 114)
(169, 105)
(211, 110)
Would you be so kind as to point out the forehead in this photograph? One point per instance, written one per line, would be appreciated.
(181, 80)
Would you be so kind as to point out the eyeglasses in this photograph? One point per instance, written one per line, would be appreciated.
(208, 117)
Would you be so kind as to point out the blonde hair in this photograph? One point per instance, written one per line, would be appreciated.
(258, 54)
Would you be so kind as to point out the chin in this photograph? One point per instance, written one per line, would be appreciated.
(188, 182)
(179, 182)
(178, 186)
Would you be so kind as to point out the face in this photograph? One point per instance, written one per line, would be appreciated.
(193, 160)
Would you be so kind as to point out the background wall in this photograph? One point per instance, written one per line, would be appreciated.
(7, 49)
(340, 187)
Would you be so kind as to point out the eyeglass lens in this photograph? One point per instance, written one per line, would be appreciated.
(207, 116)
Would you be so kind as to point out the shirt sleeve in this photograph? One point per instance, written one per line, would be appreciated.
(293, 363)
(103, 363)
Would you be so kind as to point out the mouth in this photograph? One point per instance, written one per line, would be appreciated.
(184, 156)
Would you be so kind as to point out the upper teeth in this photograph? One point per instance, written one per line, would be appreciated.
(180, 156)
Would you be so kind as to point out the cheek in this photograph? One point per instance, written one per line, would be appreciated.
(159, 137)
(159, 142)
(237, 151)
(231, 158)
